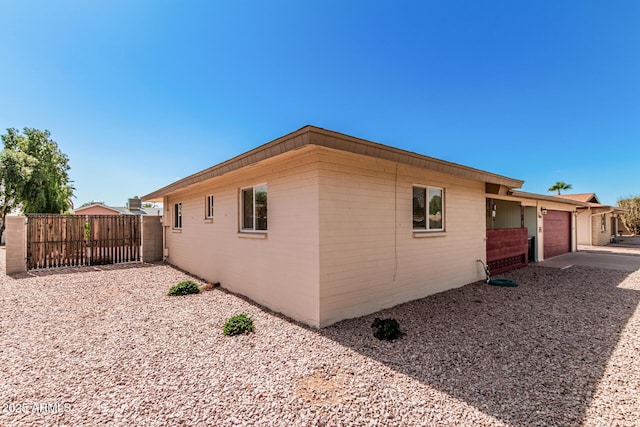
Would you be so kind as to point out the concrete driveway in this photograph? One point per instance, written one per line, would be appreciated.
(599, 257)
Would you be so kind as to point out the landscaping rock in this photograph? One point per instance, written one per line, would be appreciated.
(108, 347)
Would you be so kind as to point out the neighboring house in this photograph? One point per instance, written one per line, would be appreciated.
(597, 223)
(322, 226)
(134, 207)
(97, 209)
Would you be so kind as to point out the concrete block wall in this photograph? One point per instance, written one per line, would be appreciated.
(16, 246)
(152, 238)
(506, 243)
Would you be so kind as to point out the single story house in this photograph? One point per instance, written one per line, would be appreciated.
(323, 226)
(133, 207)
(597, 223)
(96, 208)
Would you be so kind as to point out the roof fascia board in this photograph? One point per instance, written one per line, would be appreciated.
(311, 135)
(534, 196)
(273, 148)
(331, 139)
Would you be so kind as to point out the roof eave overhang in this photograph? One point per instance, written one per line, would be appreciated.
(543, 197)
(311, 135)
(598, 208)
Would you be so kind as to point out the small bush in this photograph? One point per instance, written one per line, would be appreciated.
(239, 324)
(386, 329)
(184, 288)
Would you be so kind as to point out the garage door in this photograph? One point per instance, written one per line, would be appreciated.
(557, 233)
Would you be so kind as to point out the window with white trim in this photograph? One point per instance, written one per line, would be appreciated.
(208, 210)
(428, 208)
(253, 204)
(177, 216)
(603, 223)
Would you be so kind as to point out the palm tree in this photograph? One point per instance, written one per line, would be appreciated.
(560, 185)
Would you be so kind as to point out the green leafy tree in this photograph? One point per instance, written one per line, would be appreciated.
(435, 205)
(16, 169)
(93, 202)
(560, 186)
(631, 218)
(34, 174)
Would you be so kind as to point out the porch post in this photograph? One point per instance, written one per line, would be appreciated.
(574, 231)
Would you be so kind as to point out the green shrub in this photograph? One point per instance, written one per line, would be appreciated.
(239, 324)
(386, 329)
(184, 288)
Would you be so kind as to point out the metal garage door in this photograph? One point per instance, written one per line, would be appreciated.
(557, 233)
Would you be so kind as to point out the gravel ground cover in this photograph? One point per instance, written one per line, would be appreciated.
(108, 347)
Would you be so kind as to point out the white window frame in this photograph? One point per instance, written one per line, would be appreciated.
(177, 216)
(427, 228)
(253, 204)
(208, 206)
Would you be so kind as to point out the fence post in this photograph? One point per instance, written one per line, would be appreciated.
(16, 246)
(151, 238)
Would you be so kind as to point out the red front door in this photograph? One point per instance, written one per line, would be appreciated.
(557, 233)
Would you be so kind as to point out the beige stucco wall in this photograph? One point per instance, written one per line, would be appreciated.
(279, 269)
(340, 242)
(507, 215)
(370, 257)
(589, 228)
(600, 237)
(584, 227)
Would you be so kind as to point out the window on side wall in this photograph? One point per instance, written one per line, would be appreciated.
(603, 223)
(253, 203)
(177, 216)
(428, 208)
(208, 210)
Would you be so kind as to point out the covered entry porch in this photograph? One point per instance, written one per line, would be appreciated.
(509, 244)
(526, 227)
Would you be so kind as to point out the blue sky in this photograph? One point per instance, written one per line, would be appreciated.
(141, 93)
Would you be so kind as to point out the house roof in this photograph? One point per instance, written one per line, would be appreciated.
(144, 211)
(311, 135)
(547, 198)
(93, 205)
(592, 200)
(123, 210)
(581, 197)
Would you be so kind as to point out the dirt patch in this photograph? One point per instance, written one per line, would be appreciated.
(322, 389)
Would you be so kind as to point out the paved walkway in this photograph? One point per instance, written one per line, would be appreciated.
(628, 242)
(608, 257)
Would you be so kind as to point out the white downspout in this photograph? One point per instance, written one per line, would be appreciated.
(165, 218)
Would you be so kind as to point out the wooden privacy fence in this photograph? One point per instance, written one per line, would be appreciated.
(82, 240)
